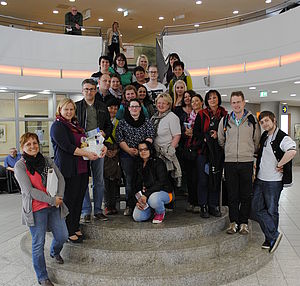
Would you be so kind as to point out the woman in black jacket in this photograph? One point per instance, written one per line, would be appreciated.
(152, 186)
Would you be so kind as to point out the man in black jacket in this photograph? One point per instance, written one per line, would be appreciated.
(93, 114)
(273, 171)
(73, 22)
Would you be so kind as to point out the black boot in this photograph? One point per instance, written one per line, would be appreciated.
(215, 211)
(204, 212)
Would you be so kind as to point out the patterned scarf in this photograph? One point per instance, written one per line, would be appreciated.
(116, 93)
(156, 118)
(73, 125)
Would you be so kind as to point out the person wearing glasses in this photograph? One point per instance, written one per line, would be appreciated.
(154, 87)
(131, 130)
(152, 187)
(93, 114)
(120, 67)
(73, 22)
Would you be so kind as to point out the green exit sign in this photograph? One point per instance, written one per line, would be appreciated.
(263, 94)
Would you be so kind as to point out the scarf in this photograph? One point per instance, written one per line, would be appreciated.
(130, 120)
(116, 93)
(36, 164)
(192, 117)
(156, 118)
(182, 77)
(120, 71)
(73, 125)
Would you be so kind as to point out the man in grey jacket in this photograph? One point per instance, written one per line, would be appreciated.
(239, 135)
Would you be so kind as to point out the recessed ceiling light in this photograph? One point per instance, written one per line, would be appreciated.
(125, 13)
(268, 1)
(293, 94)
(198, 2)
(283, 103)
(247, 100)
(235, 12)
(224, 95)
(297, 82)
(252, 87)
(140, 27)
(72, 0)
(196, 25)
(27, 96)
(40, 23)
(100, 19)
(161, 18)
(120, 9)
(3, 87)
(45, 91)
(55, 12)
(3, 3)
(82, 29)
(274, 91)
(2, 90)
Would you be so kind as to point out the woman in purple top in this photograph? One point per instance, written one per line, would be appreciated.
(66, 137)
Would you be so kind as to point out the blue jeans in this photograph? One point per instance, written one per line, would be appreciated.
(265, 207)
(98, 189)
(156, 201)
(44, 219)
(128, 165)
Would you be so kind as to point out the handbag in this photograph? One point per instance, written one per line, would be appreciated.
(189, 153)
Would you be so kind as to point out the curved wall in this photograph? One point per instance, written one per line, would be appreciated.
(255, 41)
(56, 52)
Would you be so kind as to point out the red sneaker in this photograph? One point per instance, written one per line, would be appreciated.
(158, 218)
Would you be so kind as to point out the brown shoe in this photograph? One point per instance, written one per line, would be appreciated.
(58, 259)
(46, 283)
(244, 229)
(232, 228)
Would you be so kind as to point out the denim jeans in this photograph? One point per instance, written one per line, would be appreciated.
(44, 219)
(98, 189)
(156, 201)
(128, 165)
(265, 206)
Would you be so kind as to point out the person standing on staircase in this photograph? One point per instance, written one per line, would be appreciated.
(239, 134)
(273, 171)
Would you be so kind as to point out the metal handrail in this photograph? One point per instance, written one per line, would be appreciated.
(228, 21)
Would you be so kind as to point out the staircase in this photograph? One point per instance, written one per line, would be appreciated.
(184, 250)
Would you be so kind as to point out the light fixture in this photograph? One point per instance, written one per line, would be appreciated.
(140, 27)
(72, 0)
(120, 9)
(247, 100)
(274, 91)
(2, 90)
(283, 103)
(40, 23)
(196, 25)
(293, 94)
(252, 87)
(297, 82)
(55, 12)
(3, 87)
(235, 12)
(223, 95)
(198, 2)
(45, 91)
(3, 3)
(268, 1)
(100, 19)
(28, 96)
(125, 13)
(82, 29)
(161, 18)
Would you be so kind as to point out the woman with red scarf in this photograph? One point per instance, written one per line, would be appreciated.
(66, 137)
(210, 154)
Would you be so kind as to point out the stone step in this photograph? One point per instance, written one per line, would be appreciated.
(172, 253)
(177, 226)
(205, 271)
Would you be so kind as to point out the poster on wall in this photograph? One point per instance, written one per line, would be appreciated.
(2, 133)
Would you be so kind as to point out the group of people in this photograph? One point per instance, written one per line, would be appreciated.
(158, 140)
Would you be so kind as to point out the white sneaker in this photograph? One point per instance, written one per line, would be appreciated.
(232, 228)
(244, 229)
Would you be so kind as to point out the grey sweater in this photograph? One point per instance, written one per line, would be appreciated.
(29, 192)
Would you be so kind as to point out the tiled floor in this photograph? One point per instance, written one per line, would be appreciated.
(283, 270)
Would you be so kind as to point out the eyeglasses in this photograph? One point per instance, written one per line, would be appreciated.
(135, 107)
(89, 89)
(143, 149)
